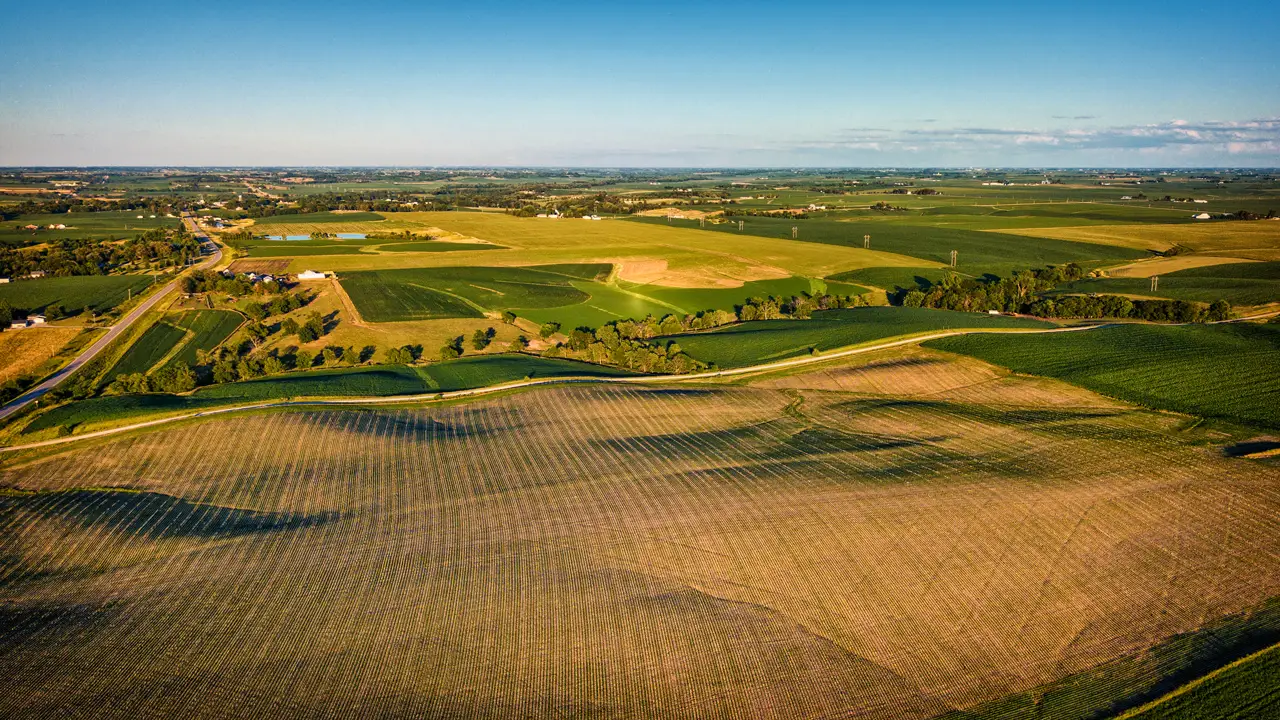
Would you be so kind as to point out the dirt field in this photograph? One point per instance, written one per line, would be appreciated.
(770, 551)
(1161, 266)
(22, 351)
(272, 266)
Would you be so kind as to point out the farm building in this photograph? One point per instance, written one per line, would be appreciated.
(1201, 216)
(36, 320)
(312, 275)
(17, 324)
(1202, 202)
(4, 281)
(36, 275)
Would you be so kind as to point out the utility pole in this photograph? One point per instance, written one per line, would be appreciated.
(1155, 283)
(740, 226)
(795, 232)
(866, 242)
(953, 258)
(702, 222)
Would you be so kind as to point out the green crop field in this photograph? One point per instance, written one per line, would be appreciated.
(1253, 283)
(208, 328)
(763, 341)
(104, 225)
(100, 292)
(319, 217)
(1243, 692)
(893, 278)
(157, 342)
(1229, 372)
(429, 293)
(978, 252)
(431, 246)
(785, 549)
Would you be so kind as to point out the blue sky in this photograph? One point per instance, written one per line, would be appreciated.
(641, 84)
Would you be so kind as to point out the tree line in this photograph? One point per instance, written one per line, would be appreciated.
(66, 257)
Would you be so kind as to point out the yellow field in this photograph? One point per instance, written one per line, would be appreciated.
(1256, 240)
(694, 259)
(1165, 265)
(23, 351)
(819, 545)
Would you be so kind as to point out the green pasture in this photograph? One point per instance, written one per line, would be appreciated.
(436, 246)
(154, 344)
(208, 328)
(1253, 283)
(99, 292)
(892, 278)
(105, 225)
(1228, 371)
(1242, 692)
(763, 341)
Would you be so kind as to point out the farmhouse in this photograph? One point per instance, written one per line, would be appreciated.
(1201, 216)
(312, 275)
(17, 324)
(1201, 202)
(31, 227)
(4, 281)
(36, 274)
(36, 319)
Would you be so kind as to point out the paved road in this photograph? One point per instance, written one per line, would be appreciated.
(454, 394)
(114, 332)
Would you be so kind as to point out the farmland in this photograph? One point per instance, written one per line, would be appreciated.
(1251, 283)
(666, 551)
(1228, 372)
(104, 225)
(177, 338)
(99, 292)
(762, 341)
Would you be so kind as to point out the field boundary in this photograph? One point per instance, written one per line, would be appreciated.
(568, 380)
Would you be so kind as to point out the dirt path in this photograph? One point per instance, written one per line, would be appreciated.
(347, 305)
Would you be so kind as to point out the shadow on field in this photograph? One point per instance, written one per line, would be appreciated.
(1250, 447)
(155, 516)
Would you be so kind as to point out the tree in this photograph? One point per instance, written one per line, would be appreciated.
(256, 311)
(520, 343)
(289, 326)
(272, 365)
(1219, 310)
(257, 332)
(350, 355)
(330, 355)
(508, 317)
(303, 359)
(54, 311)
(549, 329)
(480, 340)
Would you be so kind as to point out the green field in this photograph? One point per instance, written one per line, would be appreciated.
(445, 292)
(1251, 283)
(209, 329)
(297, 248)
(437, 246)
(157, 342)
(893, 278)
(979, 252)
(319, 217)
(1229, 372)
(1246, 691)
(763, 341)
(99, 292)
(104, 225)
(375, 381)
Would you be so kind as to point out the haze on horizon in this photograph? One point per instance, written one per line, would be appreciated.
(663, 85)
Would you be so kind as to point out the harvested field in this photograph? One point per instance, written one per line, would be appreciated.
(1159, 266)
(1258, 240)
(622, 552)
(258, 265)
(23, 351)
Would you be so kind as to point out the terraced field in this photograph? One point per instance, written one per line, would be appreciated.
(778, 551)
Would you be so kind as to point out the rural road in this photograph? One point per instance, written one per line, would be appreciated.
(113, 332)
(455, 394)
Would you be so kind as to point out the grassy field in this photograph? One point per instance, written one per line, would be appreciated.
(150, 348)
(428, 293)
(1258, 240)
(1249, 283)
(24, 351)
(100, 292)
(893, 278)
(1242, 692)
(1228, 372)
(208, 329)
(104, 225)
(431, 246)
(618, 551)
(978, 252)
(763, 341)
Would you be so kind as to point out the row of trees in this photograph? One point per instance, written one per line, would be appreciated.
(204, 281)
(65, 257)
(1024, 292)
